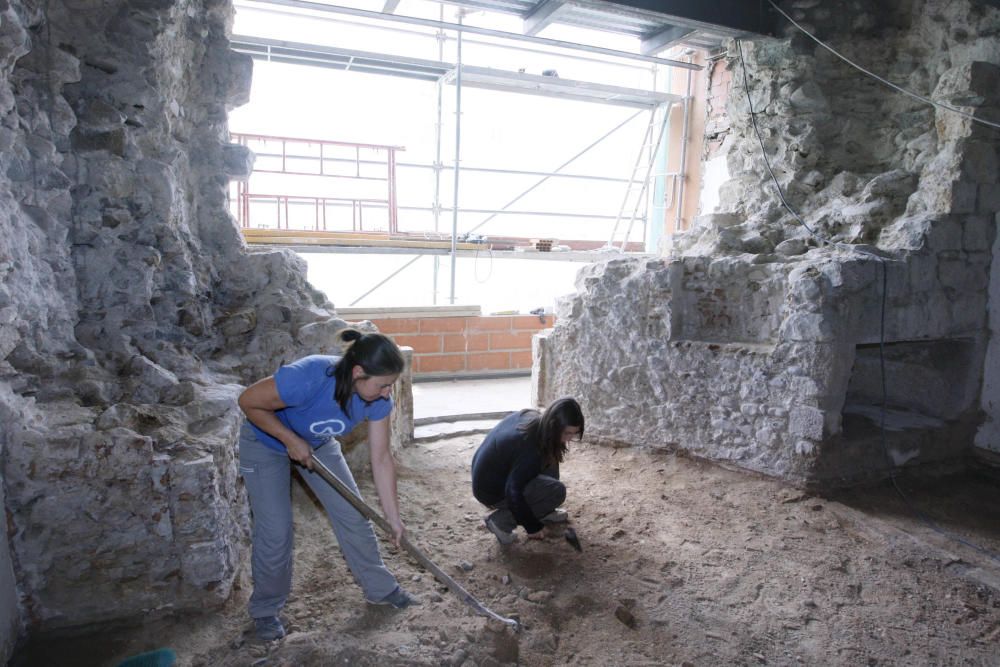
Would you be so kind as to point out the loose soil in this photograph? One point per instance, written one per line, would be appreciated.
(683, 563)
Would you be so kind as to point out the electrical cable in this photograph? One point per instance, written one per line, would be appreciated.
(897, 88)
(881, 344)
(475, 266)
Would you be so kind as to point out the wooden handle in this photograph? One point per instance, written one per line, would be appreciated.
(320, 469)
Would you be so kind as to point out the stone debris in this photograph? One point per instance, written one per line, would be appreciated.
(625, 616)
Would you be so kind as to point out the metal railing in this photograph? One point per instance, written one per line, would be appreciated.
(292, 155)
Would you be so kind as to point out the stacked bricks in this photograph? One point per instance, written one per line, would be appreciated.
(468, 344)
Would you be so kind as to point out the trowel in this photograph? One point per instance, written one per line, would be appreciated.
(573, 540)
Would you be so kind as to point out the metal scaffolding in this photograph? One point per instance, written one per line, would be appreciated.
(461, 75)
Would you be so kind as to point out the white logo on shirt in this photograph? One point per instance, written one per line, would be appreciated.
(328, 427)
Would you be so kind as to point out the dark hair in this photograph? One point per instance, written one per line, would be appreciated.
(374, 352)
(546, 428)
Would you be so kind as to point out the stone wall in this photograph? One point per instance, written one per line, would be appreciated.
(756, 342)
(131, 312)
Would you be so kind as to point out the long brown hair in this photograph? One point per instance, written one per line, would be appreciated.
(375, 353)
(546, 428)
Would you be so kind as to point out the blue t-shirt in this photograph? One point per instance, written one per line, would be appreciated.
(306, 388)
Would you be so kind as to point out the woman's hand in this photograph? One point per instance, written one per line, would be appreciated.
(548, 531)
(300, 452)
(259, 402)
(398, 531)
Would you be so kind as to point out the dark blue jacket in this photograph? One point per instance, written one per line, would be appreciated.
(504, 464)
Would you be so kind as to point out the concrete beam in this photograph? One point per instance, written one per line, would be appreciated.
(664, 39)
(542, 15)
(750, 16)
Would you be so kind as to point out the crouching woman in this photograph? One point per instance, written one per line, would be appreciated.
(515, 471)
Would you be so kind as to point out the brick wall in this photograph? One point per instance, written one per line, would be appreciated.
(719, 84)
(466, 344)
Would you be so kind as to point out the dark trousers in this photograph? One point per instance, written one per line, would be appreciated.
(543, 494)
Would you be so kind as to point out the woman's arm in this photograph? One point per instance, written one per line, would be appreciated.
(384, 472)
(258, 403)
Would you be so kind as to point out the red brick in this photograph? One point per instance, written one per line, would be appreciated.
(400, 325)
(532, 322)
(436, 363)
(420, 344)
(442, 324)
(466, 343)
(511, 341)
(489, 323)
(520, 359)
(489, 361)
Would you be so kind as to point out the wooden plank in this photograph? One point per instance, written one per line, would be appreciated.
(284, 238)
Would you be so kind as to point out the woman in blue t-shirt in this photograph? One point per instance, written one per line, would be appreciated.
(296, 415)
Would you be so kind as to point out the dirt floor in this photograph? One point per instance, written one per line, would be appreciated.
(683, 563)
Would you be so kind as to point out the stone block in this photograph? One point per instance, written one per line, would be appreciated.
(978, 233)
(963, 197)
(966, 313)
(809, 97)
(239, 322)
(909, 233)
(922, 272)
(402, 396)
(805, 447)
(807, 327)
(944, 233)
(540, 365)
(976, 77)
(806, 422)
(979, 162)
(803, 387)
(964, 272)
(322, 337)
(113, 141)
(718, 220)
(989, 198)
(237, 161)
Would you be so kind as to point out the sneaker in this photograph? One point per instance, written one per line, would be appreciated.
(556, 516)
(399, 599)
(502, 535)
(269, 628)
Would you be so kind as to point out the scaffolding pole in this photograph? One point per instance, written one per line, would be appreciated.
(458, 155)
(645, 180)
(386, 279)
(682, 168)
(437, 159)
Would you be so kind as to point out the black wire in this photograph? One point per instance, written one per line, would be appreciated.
(763, 152)
(881, 334)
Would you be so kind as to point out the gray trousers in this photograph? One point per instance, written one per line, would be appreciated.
(267, 475)
(543, 495)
